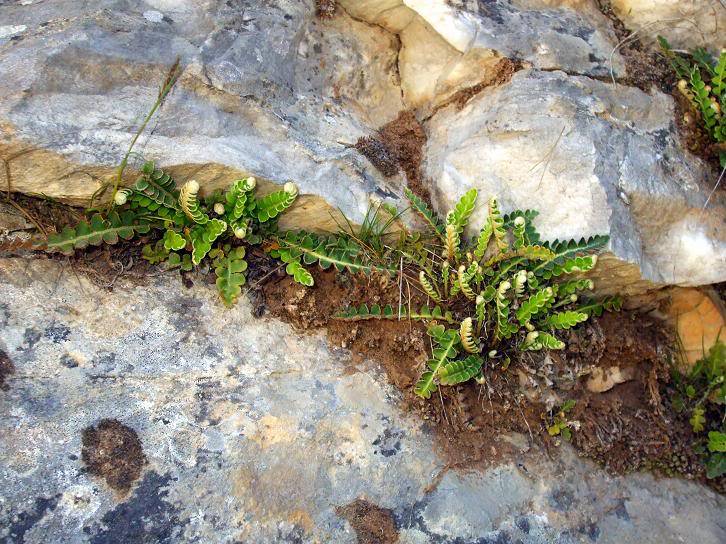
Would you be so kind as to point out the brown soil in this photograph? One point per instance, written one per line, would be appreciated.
(325, 9)
(113, 451)
(6, 368)
(398, 146)
(372, 524)
(694, 136)
(633, 426)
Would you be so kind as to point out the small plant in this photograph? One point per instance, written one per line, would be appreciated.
(504, 289)
(560, 425)
(702, 79)
(193, 229)
(701, 394)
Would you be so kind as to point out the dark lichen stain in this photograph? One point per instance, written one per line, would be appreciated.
(68, 361)
(372, 524)
(113, 451)
(622, 512)
(31, 337)
(522, 524)
(25, 521)
(146, 517)
(6, 368)
(562, 499)
(389, 443)
(57, 332)
(591, 530)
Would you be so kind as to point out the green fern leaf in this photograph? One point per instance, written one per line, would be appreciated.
(445, 350)
(460, 371)
(96, 231)
(158, 186)
(173, 241)
(203, 235)
(534, 304)
(189, 203)
(231, 276)
(275, 203)
(563, 251)
(597, 307)
(537, 340)
(423, 210)
(239, 199)
(300, 274)
(564, 320)
(461, 213)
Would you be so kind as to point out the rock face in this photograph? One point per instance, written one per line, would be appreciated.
(593, 158)
(687, 25)
(251, 433)
(270, 90)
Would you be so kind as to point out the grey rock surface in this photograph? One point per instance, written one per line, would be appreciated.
(253, 433)
(593, 158)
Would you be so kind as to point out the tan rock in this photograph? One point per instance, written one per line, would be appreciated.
(604, 379)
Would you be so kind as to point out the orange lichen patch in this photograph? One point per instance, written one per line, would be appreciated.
(699, 319)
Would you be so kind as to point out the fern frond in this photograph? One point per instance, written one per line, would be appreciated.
(597, 307)
(571, 287)
(498, 231)
(429, 288)
(189, 202)
(451, 244)
(519, 282)
(461, 213)
(96, 231)
(231, 276)
(239, 198)
(203, 235)
(564, 320)
(503, 328)
(519, 225)
(482, 242)
(157, 185)
(532, 237)
(564, 251)
(299, 274)
(275, 203)
(464, 283)
(445, 350)
(534, 304)
(466, 332)
(362, 313)
(718, 81)
(536, 341)
(423, 210)
(702, 99)
(460, 371)
(173, 241)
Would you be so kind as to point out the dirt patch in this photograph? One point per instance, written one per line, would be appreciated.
(325, 9)
(6, 368)
(645, 66)
(372, 524)
(503, 72)
(398, 146)
(113, 451)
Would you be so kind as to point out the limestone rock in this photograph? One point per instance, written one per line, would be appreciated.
(604, 379)
(686, 24)
(592, 158)
(252, 433)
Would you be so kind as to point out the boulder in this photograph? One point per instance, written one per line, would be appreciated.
(687, 25)
(593, 158)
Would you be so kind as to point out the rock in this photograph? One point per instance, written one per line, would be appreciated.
(592, 158)
(253, 433)
(604, 379)
(686, 25)
(699, 318)
(272, 92)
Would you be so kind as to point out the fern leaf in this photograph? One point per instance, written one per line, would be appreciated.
(482, 242)
(300, 274)
(466, 332)
(718, 81)
(275, 203)
(423, 210)
(189, 202)
(451, 244)
(157, 185)
(498, 231)
(239, 198)
(429, 288)
(464, 283)
(536, 341)
(503, 328)
(173, 241)
(446, 340)
(518, 227)
(597, 307)
(460, 371)
(96, 231)
(564, 320)
(203, 235)
(532, 237)
(230, 276)
(702, 99)
(571, 287)
(566, 250)
(534, 304)
(459, 216)
(361, 313)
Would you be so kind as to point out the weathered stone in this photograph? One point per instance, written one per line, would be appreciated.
(604, 379)
(686, 24)
(252, 433)
(270, 92)
(593, 158)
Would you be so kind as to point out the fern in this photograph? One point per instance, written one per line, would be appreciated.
(445, 350)
(466, 332)
(534, 304)
(231, 276)
(173, 241)
(300, 274)
(564, 320)
(96, 231)
(459, 216)
(460, 371)
(157, 185)
(275, 203)
(423, 210)
(565, 256)
(203, 236)
(363, 312)
(429, 288)
(189, 203)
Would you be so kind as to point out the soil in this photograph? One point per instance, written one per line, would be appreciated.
(630, 427)
(6, 368)
(325, 9)
(398, 146)
(372, 524)
(113, 451)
